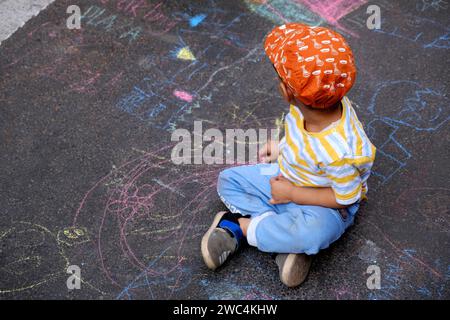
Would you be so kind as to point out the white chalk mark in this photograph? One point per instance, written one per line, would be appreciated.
(252, 52)
(15, 13)
(162, 184)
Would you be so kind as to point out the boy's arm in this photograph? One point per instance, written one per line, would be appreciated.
(283, 191)
(315, 197)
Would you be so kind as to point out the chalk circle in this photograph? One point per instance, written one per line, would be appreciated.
(31, 256)
(145, 220)
(71, 236)
(73, 233)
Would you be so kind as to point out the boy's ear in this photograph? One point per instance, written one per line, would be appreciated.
(286, 93)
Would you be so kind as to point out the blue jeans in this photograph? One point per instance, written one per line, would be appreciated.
(281, 228)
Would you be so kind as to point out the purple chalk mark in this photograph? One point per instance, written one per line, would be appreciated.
(183, 95)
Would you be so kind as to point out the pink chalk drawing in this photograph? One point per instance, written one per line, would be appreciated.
(183, 95)
(144, 210)
(311, 12)
(333, 11)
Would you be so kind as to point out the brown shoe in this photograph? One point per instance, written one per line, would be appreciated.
(217, 244)
(293, 268)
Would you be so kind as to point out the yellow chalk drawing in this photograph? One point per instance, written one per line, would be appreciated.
(19, 266)
(185, 54)
(28, 266)
(6, 232)
(72, 235)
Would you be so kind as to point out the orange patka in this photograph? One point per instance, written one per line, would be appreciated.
(316, 63)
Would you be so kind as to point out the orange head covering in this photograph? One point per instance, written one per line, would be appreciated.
(316, 63)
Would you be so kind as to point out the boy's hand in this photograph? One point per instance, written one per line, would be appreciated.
(269, 153)
(281, 190)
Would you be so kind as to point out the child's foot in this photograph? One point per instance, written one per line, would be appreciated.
(293, 268)
(221, 240)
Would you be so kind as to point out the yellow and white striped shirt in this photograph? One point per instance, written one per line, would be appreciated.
(340, 156)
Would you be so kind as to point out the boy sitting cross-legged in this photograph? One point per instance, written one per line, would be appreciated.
(306, 199)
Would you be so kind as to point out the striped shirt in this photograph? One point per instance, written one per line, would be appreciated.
(340, 156)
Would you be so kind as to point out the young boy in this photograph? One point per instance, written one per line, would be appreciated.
(309, 197)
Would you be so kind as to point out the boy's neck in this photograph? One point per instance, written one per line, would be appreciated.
(315, 120)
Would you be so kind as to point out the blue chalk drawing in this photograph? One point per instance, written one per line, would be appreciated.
(282, 11)
(442, 41)
(396, 279)
(425, 109)
(140, 280)
(422, 109)
(436, 5)
(391, 281)
(423, 291)
(397, 158)
(102, 20)
(144, 282)
(226, 290)
(133, 101)
(197, 19)
(151, 100)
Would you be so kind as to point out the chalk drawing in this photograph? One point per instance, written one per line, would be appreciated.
(197, 19)
(420, 108)
(426, 33)
(75, 72)
(369, 252)
(125, 24)
(311, 12)
(345, 292)
(397, 279)
(182, 51)
(392, 155)
(73, 236)
(427, 5)
(136, 204)
(441, 42)
(183, 95)
(283, 11)
(429, 206)
(184, 54)
(101, 19)
(32, 256)
(142, 198)
(404, 270)
(423, 109)
(168, 187)
(146, 282)
(333, 11)
(226, 290)
(158, 99)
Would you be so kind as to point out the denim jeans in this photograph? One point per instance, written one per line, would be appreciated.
(280, 228)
